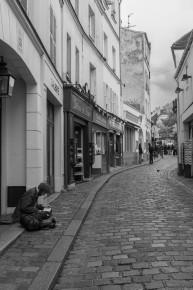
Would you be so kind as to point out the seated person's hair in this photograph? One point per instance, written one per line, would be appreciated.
(44, 188)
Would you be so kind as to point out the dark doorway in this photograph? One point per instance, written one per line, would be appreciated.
(50, 144)
(111, 150)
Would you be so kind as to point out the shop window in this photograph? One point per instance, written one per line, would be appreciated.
(52, 36)
(91, 24)
(100, 147)
(98, 143)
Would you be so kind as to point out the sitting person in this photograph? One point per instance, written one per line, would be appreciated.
(31, 215)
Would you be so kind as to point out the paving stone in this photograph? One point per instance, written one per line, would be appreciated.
(138, 232)
(133, 287)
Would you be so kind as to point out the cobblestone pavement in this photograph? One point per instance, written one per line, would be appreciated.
(138, 235)
(22, 261)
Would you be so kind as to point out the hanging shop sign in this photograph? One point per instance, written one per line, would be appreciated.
(99, 119)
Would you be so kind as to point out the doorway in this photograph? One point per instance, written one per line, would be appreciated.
(50, 144)
(79, 167)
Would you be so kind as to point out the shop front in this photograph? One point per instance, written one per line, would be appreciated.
(100, 143)
(78, 147)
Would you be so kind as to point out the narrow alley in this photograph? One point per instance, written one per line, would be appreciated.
(137, 235)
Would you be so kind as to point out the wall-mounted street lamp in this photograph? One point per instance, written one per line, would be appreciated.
(7, 81)
(178, 90)
(185, 77)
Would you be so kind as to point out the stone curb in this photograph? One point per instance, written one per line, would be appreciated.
(175, 180)
(47, 276)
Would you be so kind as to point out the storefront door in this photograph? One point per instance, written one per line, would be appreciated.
(111, 149)
(79, 167)
(50, 144)
(118, 150)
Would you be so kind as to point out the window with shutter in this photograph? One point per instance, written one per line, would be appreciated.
(52, 35)
(24, 4)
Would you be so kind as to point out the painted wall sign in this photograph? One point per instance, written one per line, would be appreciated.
(99, 119)
(81, 108)
(132, 118)
(55, 87)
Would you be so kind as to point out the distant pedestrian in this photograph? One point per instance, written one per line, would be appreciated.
(140, 153)
(151, 151)
(161, 150)
(175, 150)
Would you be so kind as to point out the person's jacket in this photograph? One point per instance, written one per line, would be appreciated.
(27, 204)
(151, 149)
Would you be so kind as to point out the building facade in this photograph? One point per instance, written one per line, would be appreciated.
(92, 102)
(135, 75)
(182, 51)
(31, 119)
(133, 119)
(63, 122)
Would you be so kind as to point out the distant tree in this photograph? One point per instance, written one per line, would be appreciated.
(167, 127)
(171, 120)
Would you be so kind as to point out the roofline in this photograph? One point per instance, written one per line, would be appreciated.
(137, 31)
(184, 55)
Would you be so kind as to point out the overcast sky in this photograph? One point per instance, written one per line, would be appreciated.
(164, 22)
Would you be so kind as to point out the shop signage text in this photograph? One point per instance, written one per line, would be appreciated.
(81, 108)
(97, 118)
(55, 87)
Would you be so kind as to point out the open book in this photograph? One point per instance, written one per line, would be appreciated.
(47, 208)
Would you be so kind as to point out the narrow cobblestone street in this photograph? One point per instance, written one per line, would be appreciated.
(137, 235)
